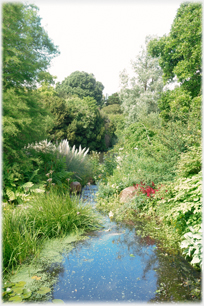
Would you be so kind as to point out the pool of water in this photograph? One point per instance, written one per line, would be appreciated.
(117, 265)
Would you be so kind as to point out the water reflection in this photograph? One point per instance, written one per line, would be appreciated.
(115, 264)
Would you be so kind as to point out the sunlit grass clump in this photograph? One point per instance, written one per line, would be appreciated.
(47, 215)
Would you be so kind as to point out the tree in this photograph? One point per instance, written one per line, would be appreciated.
(27, 49)
(113, 99)
(180, 52)
(81, 84)
(139, 94)
(87, 127)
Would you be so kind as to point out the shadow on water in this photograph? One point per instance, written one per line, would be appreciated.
(115, 264)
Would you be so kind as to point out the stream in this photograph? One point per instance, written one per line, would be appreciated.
(117, 265)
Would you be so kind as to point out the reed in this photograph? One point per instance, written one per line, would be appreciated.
(47, 215)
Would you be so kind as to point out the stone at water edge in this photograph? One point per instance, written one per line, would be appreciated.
(75, 187)
(127, 194)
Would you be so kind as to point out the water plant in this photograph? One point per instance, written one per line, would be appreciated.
(47, 215)
(16, 292)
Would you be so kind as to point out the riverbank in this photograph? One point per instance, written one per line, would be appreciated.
(172, 216)
(119, 262)
(49, 215)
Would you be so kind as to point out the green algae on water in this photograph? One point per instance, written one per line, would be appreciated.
(44, 270)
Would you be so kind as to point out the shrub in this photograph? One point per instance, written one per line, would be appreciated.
(192, 245)
(63, 160)
(190, 162)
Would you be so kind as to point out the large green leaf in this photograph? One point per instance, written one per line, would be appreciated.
(16, 298)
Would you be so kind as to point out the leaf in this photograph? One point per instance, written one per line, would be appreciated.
(27, 185)
(10, 194)
(44, 290)
(6, 284)
(16, 298)
(18, 290)
(184, 244)
(57, 301)
(132, 255)
(20, 284)
(195, 260)
(26, 293)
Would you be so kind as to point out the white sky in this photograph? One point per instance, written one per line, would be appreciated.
(101, 37)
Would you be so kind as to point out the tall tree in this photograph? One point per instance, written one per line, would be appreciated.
(140, 93)
(179, 55)
(82, 84)
(180, 52)
(27, 49)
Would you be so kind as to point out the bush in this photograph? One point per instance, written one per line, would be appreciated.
(190, 162)
(192, 245)
(65, 161)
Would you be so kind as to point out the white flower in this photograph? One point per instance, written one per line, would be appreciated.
(136, 148)
(121, 148)
(110, 214)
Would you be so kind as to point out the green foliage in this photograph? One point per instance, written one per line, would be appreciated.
(193, 246)
(23, 120)
(116, 120)
(27, 49)
(113, 99)
(184, 203)
(139, 94)
(180, 52)
(81, 84)
(59, 115)
(87, 127)
(47, 215)
(15, 291)
(64, 163)
(190, 162)
(112, 109)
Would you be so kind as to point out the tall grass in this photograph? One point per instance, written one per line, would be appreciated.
(77, 161)
(47, 215)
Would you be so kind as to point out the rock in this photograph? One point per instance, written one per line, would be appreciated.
(127, 194)
(75, 187)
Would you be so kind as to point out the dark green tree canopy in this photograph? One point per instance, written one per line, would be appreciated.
(113, 99)
(27, 49)
(180, 52)
(82, 84)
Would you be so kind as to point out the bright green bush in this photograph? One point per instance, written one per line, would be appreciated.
(190, 162)
(184, 203)
(193, 246)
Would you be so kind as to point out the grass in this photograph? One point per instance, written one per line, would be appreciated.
(26, 227)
